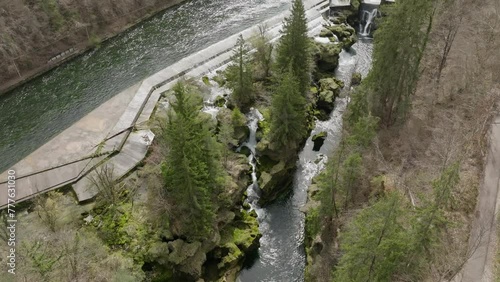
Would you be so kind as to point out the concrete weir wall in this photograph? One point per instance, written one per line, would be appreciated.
(109, 135)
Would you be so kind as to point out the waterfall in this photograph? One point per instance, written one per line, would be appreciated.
(254, 116)
(366, 24)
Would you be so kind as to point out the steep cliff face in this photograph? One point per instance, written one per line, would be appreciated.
(36, 35)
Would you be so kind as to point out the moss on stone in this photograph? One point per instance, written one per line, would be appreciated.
(206, 81)
(220, 101)
(356, 79)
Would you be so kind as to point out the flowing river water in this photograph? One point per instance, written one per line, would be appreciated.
(32, 114)
(281, 256)
(40, 109)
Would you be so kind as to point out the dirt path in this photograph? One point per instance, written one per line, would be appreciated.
(482, 241)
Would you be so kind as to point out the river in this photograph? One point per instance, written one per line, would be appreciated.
(281, 256)
(35, 112)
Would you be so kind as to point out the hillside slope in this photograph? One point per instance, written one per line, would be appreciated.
(37, 35)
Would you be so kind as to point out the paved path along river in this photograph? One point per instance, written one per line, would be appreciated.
(34, 113)
(81, 140)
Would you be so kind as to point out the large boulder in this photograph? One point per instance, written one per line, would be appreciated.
(329, 90)
(326, 56)
(241, 130)
(188, 257)
(276, 181)
(319, 139)
(344, 33)
(356, 79)
(238, 238)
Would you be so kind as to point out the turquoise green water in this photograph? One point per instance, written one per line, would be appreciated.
(37, 111)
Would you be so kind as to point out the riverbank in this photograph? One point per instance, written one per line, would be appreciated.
(24, 59)
(66, 94)
(440, 144)
(135, 235)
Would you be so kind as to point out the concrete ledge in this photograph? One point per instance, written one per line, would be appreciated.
(131, 148)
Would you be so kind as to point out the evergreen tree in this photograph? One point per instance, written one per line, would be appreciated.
(239, 76)
(294, 49)
(189, 168)
(429, 220)
(399, 45)
(374, 244)
(263, 53)
(226, 133)
(288, 114)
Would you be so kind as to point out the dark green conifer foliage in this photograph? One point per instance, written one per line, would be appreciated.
(190, 169)
(294, 47)
(375, 243)
(239, 76)
(288, 114)
(399, 45)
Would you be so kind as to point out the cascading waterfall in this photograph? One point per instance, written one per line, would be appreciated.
(368, 15)
(281, 256)
(254, 116)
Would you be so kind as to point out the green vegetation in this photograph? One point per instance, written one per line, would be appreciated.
(191, 169)
(293, 52)
(396, 62)
(239, 76)
(262, 56)
(51, 8)
(287, 114)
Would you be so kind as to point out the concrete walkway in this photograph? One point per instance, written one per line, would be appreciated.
(59, 162)
(482, 249)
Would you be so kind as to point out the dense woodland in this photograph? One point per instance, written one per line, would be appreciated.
(182, 215)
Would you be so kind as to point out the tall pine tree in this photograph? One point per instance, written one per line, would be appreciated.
(239, 76)
(294, 47)
(288, 114)
(189, 167)
(375, 243)
(399, 46)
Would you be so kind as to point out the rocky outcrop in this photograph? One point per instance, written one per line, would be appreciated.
(319, 139)
(275, 181)
(356, 79)
(325, 97)
(345, 34)
(238, 120)
(326, 56)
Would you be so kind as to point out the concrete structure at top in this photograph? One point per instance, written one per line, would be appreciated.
(116, 134)
(347, 3)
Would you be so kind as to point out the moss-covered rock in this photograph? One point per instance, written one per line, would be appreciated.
(328, 92)
(219, 78)
(343, 32)
(326, 56)
(245, 151)
(180, 251)
(238, 238)
(356, 79)
(276, 181)
(318, 140)
(238, 120)
(219, 101)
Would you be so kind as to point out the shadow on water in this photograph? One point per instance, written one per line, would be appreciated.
(32, 114)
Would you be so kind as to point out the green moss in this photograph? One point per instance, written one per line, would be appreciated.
(313, 225)
(94, 40)
(233, 256)
(206, 81)
(219, 79)
(356, 78)
(220, 101)
(322, 134)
